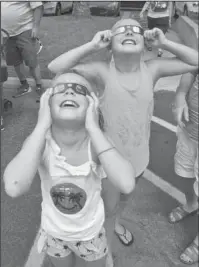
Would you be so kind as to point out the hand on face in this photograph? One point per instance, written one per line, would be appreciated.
(102, 39)
(155, 37)
(44, 116)
(92, 114)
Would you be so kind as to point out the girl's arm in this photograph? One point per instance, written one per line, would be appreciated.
(119, 171)
(71, 58)
(186, 58)
(180, 107)
(20, 172)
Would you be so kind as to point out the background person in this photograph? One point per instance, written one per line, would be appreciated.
(21, 20)
(158, 16)
(186, 158)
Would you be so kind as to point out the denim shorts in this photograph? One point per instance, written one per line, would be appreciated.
(90, 250)
(21, 48)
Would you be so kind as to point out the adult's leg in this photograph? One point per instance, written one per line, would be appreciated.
(14, 58)
(185, 157)
(36, 74)
(27, 47)
(20, 71)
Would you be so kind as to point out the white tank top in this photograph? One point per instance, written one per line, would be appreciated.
(127, 115)
(72, 207)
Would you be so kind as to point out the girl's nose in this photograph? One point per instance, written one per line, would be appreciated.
(69, 91)
(129, 32)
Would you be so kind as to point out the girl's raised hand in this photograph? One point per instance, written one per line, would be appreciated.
(102, 39)
(44, 116)
(155, 37)
(92, 115)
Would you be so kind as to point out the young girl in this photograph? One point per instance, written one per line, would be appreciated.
(186, 158)
(127, 100)
(70, 151)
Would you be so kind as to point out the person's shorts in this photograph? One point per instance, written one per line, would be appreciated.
(186, 157)
(21, 48)
(161, 23)
(91, 250)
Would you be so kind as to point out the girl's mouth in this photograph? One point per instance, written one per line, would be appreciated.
(69, 104)
(129, 41)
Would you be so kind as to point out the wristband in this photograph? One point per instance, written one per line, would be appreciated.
(110, 148)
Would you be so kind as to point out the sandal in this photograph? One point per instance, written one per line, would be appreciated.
(123, 237)
(190, 255)
(179, 214)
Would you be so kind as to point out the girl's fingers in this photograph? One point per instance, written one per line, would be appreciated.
(90, 100)
(96, 100)
(45, 97)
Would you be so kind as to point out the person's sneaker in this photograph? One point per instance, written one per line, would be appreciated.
(22, 90)
(2, 124)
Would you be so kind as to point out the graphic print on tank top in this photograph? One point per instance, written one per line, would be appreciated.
(68, 198)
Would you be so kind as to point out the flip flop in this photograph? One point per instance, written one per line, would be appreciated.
(190, 255)
(123, 237)
(178, 214)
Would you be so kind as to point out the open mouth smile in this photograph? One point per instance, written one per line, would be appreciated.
(69, 104)
(129, 41)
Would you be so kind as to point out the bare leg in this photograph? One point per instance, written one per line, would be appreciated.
(120, 228)
(98, 263)
(111, 197)
(20, 71)
(191, 198)
(36, 74)
(68, 261)
(125, 234)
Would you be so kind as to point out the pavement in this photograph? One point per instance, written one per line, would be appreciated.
(157, 243)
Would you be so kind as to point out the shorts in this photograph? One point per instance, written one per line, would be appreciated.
(91, 250)
(161, 23)
(21, 48)
(186, 157)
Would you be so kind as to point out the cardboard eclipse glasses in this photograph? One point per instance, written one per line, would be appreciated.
(133, 28)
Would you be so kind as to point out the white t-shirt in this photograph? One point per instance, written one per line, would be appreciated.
(72, 207)
(17, 17)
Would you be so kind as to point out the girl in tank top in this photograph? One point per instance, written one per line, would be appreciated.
(73, 155)
(127, 94)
